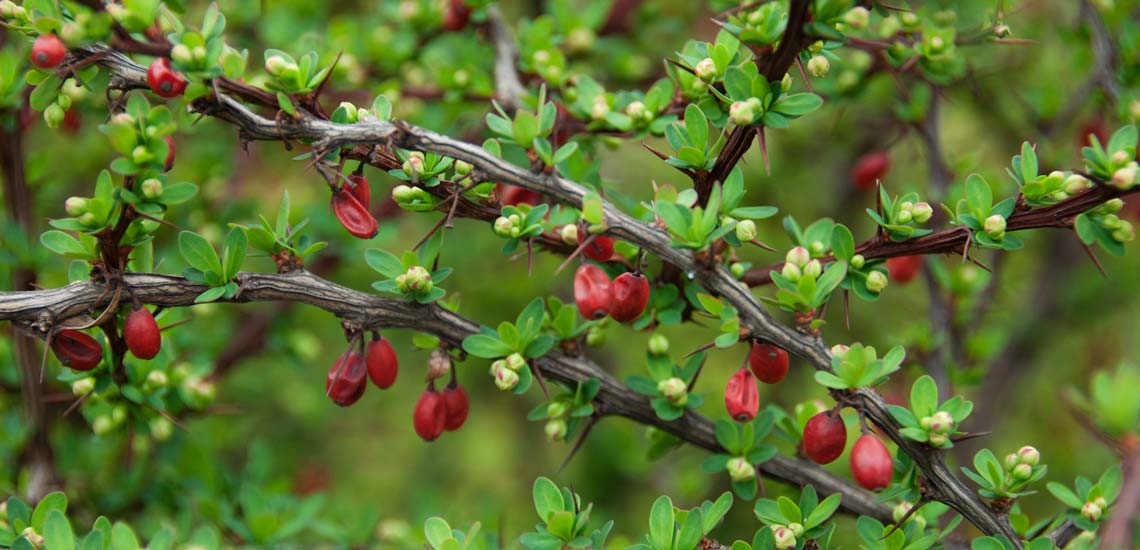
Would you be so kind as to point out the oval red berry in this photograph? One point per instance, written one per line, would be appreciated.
(631, 295)
(600, 249)
(871, 463)
(741, 396)
(825, 437)
(141, 334)
(383, 365)
(456, 406)
(48, 51)
(430, 415)
(164, 81)
(353, 216)
(76, 350)
(769, 363)
(346, 382)
(592, 291)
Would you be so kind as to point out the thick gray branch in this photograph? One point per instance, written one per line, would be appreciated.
(36, 311)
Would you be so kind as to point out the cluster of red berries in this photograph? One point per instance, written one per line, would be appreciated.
(350, 203)
(768, 364)
(825, 437)
(79, 351)
(346, 380)
(624, 298)
(437, 411)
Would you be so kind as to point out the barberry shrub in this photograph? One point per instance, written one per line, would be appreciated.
(875, 231)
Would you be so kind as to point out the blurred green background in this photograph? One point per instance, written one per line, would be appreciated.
(1050, 321)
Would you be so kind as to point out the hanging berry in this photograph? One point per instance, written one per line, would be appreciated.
(346, 381)
(141, 333)
(769, 363)
(825, 437)
(76, 350)
(630, 296)
(741, 397)
(592, 291)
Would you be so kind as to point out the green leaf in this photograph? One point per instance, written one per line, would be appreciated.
(197, 252)
(823, 511)
(234, 253)
(561, 524)
(178, 193)
(795, 105)
(547, 498)
(384, 263)
(1065, 495)
(286, 104)
(754, 212)
(828, 380)
(57, 532)
(65, 245)
(789, 509)
(210, 295)
(696, 125)
(661, 524)
(691, 531)
(716, 512)
(842, 242)
(436, 530)
(978, 196)
(123, 538)
(924, 396)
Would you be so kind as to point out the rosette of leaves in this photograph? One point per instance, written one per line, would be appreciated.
(296, 77)
(1038, 190)
(49, 524)
(563, 521)
(728, 316)
(855, 280)
(744, 440)
(924, 404)
(1111, 402)
(976, 207)
(1103, 161)
(433, 166)
(1084, 491)
(689, 139)
(650, 119)
(696, 228)
(810, 513)
(671, 528)
(808, 293)
(392, 268)
(281, 237)
(203, 53)
(888, 218)
(860, 367)
(205, 266)
(524, 337)
(772, 107)
(662, 368)
(996, 482)
(530, 129)
(139, 137)
(761, 26)
(816, 238)
(876, 536)
(532, 222)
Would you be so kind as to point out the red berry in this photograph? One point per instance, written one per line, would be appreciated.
(825, 437)
(382, 362)
(600, 249)
(353, 216)
(76, 350)
(869, 169)
(456, 15)
(346, 382)
(169, 163)
(871, 463)
(48, 51)
(72, 121)
(163, 80)
(903, 269)
(592, 291)
(142, 334)
(741, 397)
(631, 295)
(360, 189)
(511, 195)
(769, 363)
(456, 405)
(430, 415)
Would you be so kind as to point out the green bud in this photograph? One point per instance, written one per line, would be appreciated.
(180, 55)
(994, 226)
(1011, 461)
(1075, 184)
(160, 428)
(506, 379)
(903, 216)
(601, 108)
(857, 18)
(556, 430)
(34, 538)
(943, 423)
(141, 155)
(1112, 206)
(275, 65)
(791, 272)
(739, 469)
(1091, 511)
(1029, 455)
(503, 226)
(818, 66)
(745, 230)
(152, 188)
(414, 165)
(786, 83)
(658, 344)
(876, 282)
(785, 538)
(638, 111)
(937, 439)
(417, 279)
(403, 194)
(858, 261)
(1122, 179)
(737, 269)
(1022, 472)
(1124, 233)
(83, 386)
(595, 337)
(706, 70)
(675, 390)
(556, 409)
(569, 233)
(742, 113)
(798, 256)
(840, 350)
(796, 529)
(813, 269)
(922, 212)
(462, 168)
(102, 425)
(817, 249)
(88, 219)
(76, 206)
(156, 379)
(53, 115)
(900, 510)
(515, 361)
(889, 26)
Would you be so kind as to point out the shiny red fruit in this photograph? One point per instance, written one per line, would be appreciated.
(430, 415)
(511, 195)
(76, 350)
(631, 295)
(48, 51)
(869, 169)
(346, 380)
(142, 334)
(741, 396)
(456, 15)
(903, 269)
(361, 190)
(383, 366)
(601, 249)
(825, 437)
(169, 162)
(353, 215)
(871, 463)
(456, 406)
(769, 363)
(164, 81)
(592, 291)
